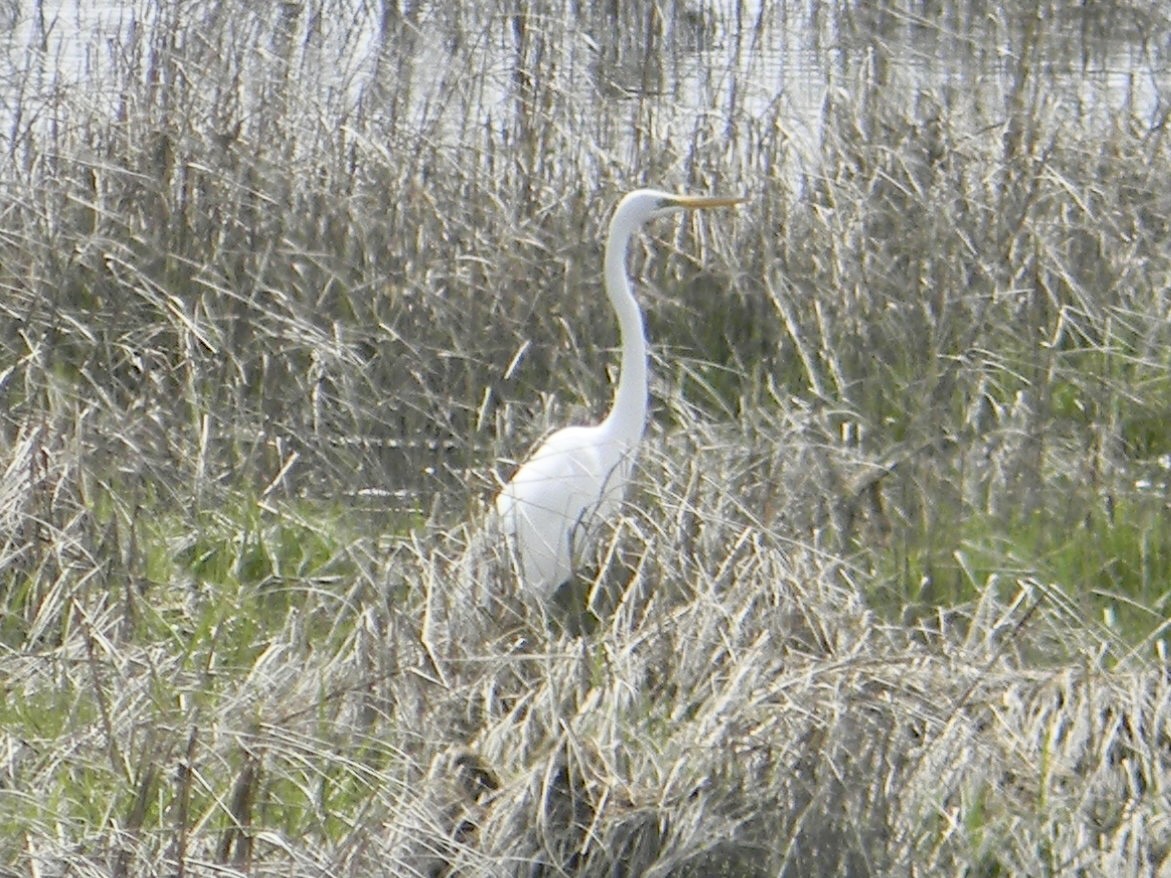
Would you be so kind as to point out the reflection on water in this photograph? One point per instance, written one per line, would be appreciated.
(785, 60)
(455, 67)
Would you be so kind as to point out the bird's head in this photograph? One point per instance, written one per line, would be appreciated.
(646, 204)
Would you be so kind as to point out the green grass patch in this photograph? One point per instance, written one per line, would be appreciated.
(1112, 561)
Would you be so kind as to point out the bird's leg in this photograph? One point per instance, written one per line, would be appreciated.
(576, 617)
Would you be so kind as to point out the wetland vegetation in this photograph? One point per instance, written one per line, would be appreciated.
(284, 287)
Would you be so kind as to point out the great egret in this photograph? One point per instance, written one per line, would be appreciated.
(578, 476)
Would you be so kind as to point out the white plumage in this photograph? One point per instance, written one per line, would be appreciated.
(576, 479)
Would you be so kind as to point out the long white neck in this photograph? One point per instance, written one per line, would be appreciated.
(627, 418)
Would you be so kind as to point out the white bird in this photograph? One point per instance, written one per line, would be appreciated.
(578, 476)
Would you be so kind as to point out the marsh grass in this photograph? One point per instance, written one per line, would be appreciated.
(286, 287)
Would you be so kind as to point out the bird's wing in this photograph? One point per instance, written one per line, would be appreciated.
(570, 481)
